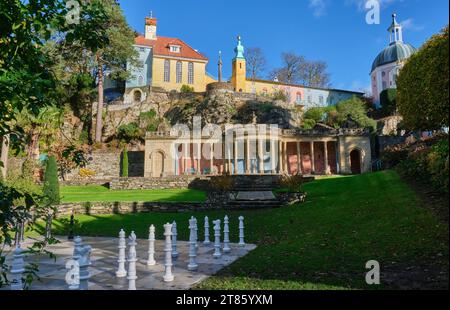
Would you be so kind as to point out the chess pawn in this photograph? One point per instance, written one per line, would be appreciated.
(207, 241)
(132, 258)
(151, 246)
(174, 240)
(217, 253)
(241, 231)
(17, 269)
(84, 263)
(168, 276)
(226, 235)
(192, 266)
(121, 272)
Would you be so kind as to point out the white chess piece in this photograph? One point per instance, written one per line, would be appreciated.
(192, 266)
(168, 276)
(17, 269)
(121, 272)
(174, 240)
(217, 253)
(84, 263)
(151, 246)
(241, 231)
(226, 235)
(207, 241)
(132, 258)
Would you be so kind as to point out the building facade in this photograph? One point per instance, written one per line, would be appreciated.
(308, 152)
(389, 61)
(168, 63)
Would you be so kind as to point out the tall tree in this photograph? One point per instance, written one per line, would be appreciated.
(114, 56)
(256, 62)
(314, 74)
(291, 71)
(423, 86)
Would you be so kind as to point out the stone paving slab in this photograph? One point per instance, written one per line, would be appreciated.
(256, 196)
(104, 265)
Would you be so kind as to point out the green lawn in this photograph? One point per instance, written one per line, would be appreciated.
(93, 193)
(322, 244)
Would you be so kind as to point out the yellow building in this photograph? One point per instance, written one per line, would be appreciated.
(167, 62)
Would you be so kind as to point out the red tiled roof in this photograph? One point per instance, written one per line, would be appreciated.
(161, 47)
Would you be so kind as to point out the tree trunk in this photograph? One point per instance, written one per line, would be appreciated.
(99, 124)
(33, 147)
(4, 155)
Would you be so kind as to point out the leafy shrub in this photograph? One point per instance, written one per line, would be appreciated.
(308, 124)
(280, 95)
(187, 89)
(388, 101)
(149, 120)
(293, 183)
(129, 132)
(51, 182)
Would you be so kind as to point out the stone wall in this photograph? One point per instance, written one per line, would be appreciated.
(172, 182)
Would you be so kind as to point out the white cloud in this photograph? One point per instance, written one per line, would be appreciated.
(318, 6)
(409, 24)
(361, 4)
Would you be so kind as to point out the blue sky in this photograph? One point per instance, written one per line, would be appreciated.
(331, 30)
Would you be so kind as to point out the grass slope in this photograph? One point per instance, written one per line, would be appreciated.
(322, 244)
(93, 193)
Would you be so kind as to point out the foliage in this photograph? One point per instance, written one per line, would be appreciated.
(388, 101)
(280, 95)
(129, 132)
(423, 86)
(149, 120)
(357, 110)
(293, 183)
(69, 157)
(255, 62)
(51, 182)
(424, 160)
(125, 163)
(86, 173)
(187, 89)
(308, 124)
(222, 183)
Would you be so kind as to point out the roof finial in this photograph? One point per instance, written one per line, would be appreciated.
(151, 14)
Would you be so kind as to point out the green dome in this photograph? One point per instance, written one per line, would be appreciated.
(393, 53)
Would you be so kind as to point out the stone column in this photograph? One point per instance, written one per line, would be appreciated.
(280, 157)
(299, 158)
(211, 152)
(273, 157)
(247, 156)
(286, 159)
(327, 166)
(199, 160)
(313, 165)
(235, 154)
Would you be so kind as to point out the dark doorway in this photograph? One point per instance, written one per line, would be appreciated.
(355, 159)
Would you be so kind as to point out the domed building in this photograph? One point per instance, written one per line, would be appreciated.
(389, 61)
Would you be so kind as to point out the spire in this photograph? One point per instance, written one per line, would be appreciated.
(239, 50)
(395, 31)
(220, 66)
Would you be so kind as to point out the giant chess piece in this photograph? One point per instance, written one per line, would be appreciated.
(192, 266)
(77, 246)
(217, 253)
(174, 240)
(132, 258)
(207, 241)
(17, 269)
(241, 231)
(151, 246)
(168, 276)
(73, 274)
(84, 263)
(121, 272)
(71, 227)
(196, 232)
(226, 235)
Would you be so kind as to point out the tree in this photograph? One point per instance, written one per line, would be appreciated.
(388, 101)
(293, 66)
(51, 191)
(423, 86)
(255, 62)
(114, 56)
(356, 109)
(314, 74)
(125, 163)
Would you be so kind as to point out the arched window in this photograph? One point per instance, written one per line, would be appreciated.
(299, 98)
(167, 70)
(179, 72)
(141, 81)
(191, 73)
